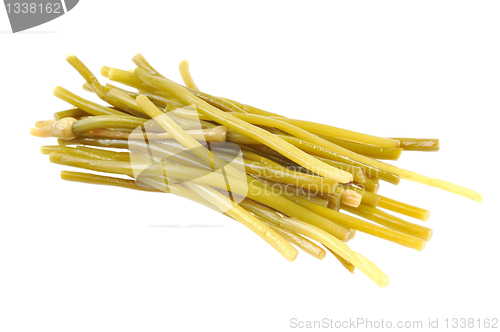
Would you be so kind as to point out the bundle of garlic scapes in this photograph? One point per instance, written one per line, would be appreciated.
(289, 181)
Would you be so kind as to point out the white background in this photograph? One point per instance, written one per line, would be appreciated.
(75, 257)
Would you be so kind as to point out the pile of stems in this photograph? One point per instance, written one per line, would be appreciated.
(294, 183)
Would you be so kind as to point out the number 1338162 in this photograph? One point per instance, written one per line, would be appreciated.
(463, 323)
(32, 8)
